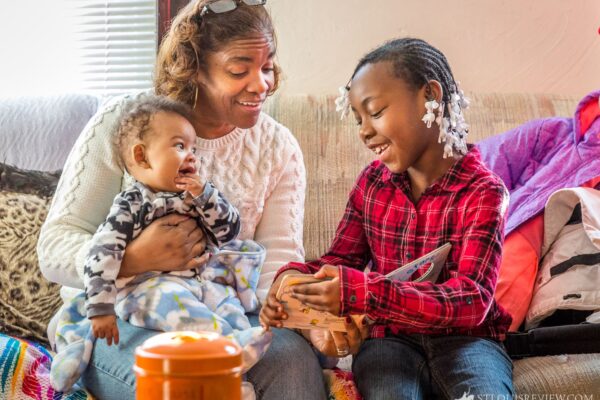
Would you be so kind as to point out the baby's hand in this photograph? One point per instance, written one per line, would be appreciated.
(105, 327)
(190, 183)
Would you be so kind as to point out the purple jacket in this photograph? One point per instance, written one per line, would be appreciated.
(538, 158)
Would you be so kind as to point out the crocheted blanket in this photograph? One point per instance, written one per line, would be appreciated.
(341, 385)
(25, 372)
(25, 375)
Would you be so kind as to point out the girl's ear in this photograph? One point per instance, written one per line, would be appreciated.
(434, 91)
(138, 153)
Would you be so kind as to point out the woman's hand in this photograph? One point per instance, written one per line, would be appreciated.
(340, 344)
(271, 313)
(171, 243)
(322, 296)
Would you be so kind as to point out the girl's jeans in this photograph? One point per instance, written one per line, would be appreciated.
(433, 367)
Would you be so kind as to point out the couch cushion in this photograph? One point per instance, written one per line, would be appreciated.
(572, 374)
(37, 132)
(27, 299)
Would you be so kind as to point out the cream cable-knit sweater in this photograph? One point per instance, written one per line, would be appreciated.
(260, 170)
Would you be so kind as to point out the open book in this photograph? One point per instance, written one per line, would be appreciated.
(303, 317)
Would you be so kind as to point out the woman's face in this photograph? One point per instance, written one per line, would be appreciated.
(232, 90)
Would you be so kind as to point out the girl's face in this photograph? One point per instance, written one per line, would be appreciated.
(170, 151)
(389, 114)
(235, 85)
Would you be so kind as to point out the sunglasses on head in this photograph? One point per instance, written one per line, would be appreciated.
(223, 6)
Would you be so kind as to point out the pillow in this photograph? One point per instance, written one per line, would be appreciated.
(27, 300)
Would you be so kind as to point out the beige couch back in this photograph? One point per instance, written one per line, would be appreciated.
(334, 155)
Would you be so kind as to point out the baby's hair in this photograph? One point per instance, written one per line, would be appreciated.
(134, 123)
(416, 62)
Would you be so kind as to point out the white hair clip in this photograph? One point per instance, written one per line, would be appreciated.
(342, 103)
(453, 129)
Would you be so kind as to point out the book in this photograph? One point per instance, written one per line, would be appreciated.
(301, 316)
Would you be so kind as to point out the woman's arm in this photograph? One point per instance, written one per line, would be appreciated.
(349, 247)
(90, 179)
(281, 225)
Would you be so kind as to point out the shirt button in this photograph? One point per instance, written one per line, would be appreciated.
(352, 299)
(469, 300)
(409, 255)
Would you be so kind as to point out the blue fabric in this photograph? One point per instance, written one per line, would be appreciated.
(538, 158)
(167, 302)
(288, 370)
(425, 367)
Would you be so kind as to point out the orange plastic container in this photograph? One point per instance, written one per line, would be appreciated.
(188, 365)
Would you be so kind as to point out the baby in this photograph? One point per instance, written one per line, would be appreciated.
(157, 146)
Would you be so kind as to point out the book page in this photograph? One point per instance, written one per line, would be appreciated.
(436, 260)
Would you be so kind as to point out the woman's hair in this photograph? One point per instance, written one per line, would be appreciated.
(416, 62)
(192, 38)
(134, 123)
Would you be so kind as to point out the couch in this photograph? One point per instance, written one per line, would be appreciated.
(36, 133)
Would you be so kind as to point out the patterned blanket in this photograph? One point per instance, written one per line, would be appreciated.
(25, 375)
(25, 371)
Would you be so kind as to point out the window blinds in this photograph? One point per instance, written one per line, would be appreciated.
(116, 43)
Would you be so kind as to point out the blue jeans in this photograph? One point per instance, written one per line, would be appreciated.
(289, 369)
(433, 367)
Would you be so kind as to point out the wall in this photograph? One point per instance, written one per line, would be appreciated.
(545, 46)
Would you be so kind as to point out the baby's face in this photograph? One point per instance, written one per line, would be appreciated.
(170, 151)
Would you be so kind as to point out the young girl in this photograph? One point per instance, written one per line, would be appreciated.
(427, 187)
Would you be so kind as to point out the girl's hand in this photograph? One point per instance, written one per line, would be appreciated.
(105, 327)
(271, 313)
(190, 183)
(340, 344)
(322, 296)
(171, 243)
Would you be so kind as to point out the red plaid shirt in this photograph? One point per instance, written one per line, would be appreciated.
(384, 228)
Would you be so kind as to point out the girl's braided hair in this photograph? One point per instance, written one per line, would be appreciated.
(416, 62)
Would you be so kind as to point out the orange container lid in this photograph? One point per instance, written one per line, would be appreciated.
(188, 353)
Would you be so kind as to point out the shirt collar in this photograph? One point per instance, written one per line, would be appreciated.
(457, 177)
(166, 195)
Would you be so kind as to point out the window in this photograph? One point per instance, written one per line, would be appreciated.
(103, 47)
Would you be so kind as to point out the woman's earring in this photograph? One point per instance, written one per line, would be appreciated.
(429, 116)
(195, 98)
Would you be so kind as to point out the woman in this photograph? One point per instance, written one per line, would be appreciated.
(218, 57)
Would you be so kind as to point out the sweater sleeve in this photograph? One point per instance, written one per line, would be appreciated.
(90, 180)
(281, 226)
